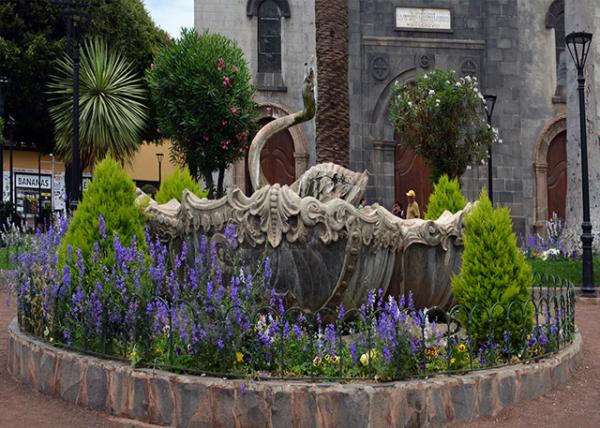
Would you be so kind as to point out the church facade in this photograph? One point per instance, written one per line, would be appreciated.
(514, 47)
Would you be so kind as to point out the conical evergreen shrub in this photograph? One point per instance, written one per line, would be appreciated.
(111, 194)
(173, 186)
(446, 196)
(494, 279)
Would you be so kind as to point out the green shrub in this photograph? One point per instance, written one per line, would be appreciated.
(173, 186)
(446, 196)
(494, 272)
(111, 194)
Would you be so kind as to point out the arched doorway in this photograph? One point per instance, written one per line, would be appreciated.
(276, 159)
(557, 176)
(550, 168)
(412, 172)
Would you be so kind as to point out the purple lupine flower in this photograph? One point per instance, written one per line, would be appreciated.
(66, 277)
(341, 313)
(203, 243)
(102, 227)
(268, 274)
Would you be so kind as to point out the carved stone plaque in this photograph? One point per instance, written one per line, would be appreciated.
(423, 18)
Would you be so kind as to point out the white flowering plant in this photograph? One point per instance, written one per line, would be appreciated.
(442, 117)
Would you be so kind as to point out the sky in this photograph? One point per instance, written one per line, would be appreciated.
(171, 15)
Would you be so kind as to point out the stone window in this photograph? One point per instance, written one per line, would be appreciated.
(269, 37)
(269, 15)
(555, 19)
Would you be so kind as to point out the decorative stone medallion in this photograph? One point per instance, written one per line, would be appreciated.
(426, 61)
(380, 67)
(469, 68)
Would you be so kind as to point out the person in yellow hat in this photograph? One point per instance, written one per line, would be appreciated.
(412, 210)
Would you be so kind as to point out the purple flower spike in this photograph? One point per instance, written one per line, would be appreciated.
(102, 227)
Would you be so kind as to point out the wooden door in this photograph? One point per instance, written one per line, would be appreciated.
(557, 176)
(276, 159)
(412, 172)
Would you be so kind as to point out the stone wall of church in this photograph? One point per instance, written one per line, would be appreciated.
(504, 42)
(584, 15)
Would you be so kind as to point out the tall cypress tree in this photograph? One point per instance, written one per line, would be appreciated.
(446, 196)
(494, 272)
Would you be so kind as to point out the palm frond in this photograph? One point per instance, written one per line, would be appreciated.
(112, 105)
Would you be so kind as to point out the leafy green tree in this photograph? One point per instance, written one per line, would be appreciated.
(494, 274)
(109, 198)
(201, 88)
(446, 196)
(112, 103)
(173, 186)
(33, 36)
(442, 118)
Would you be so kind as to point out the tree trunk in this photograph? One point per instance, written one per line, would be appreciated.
(333, 115)
(220, 182)
(210, 184)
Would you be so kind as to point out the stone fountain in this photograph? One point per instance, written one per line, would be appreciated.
(324, 249)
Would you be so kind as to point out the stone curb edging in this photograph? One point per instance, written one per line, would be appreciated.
(163, 398)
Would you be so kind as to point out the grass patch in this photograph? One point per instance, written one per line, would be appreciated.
(565, 268)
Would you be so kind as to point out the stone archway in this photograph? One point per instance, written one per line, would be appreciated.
(270, 111)
(551, 143)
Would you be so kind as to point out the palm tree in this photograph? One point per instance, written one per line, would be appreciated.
(112, 105)
(333, 116)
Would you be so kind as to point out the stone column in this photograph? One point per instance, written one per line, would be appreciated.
(384, 172)
(583, 15)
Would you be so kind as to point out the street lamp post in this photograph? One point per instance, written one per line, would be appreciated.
(490, 104)
(3, 84)
(11, 142)
(579, 47)
(159, 157)
(76, 18)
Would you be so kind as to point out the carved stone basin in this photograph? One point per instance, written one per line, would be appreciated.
(324, 249)
(324, 254)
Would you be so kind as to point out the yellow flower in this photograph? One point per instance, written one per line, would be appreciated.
(461, 347)
(452, 361)
(364, 360)
(239, 357)
(132, 355)
(317, 361)
(432, 352)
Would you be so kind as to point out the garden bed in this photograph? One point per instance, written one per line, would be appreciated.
(163, 398)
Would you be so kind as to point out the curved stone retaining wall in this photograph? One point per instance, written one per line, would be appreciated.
(163, 398)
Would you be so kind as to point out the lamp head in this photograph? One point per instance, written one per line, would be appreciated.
(490, 104)
(579, 47)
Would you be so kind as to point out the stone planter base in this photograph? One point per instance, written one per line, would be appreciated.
(163, 398)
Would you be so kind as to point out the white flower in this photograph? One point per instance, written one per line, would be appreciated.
(458, 84)
(468, 78)
(425, 77)
(410, 104)
(431, 92)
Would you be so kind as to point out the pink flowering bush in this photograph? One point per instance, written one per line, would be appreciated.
(201, 88)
